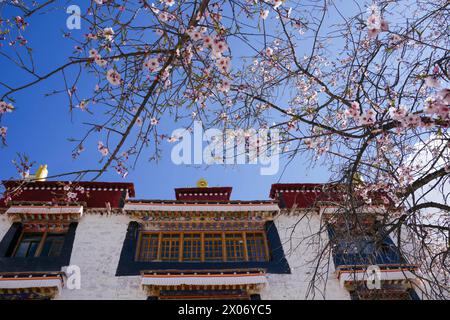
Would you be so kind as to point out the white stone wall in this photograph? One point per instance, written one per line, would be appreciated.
(96, 250)
(301, 249)
(5, 224)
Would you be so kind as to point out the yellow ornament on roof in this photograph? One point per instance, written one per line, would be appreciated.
(41, 173)
(202, 183)
(358, 179)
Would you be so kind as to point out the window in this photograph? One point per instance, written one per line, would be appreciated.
(170, 246)
(234, 244)
(213, 247)
(256, 247)
(28, 245)
(357, 245)
(39, 245)
(202, 246)
(192, 247)
(52, 245)
(358, 248)
(149, 247)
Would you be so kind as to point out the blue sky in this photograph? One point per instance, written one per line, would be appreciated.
(41, 126)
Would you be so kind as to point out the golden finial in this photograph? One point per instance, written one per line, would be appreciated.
(357, 179)
(202, 183)
(41, 173)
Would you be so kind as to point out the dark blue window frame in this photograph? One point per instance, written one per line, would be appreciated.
(383, 253)
(128, 266)
(9, 263)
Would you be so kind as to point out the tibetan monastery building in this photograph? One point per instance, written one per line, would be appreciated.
(94, 240)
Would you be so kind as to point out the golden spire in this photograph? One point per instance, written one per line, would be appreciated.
(41, 173)
(202, 183)
(358, 179)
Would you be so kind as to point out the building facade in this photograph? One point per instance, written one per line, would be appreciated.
(94, 240)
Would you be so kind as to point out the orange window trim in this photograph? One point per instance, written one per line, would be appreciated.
(234, 242)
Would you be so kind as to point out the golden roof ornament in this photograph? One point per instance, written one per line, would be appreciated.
(358, 179)
(202, 183)
(41, 173)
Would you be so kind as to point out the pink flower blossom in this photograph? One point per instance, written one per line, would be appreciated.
(100, 62)
(397, 114)
(444, 111)
(169, 3)
(164, 16)
(5, 107)
(430, 106)
(444, 96)
(264, 14)
(93, 53)
(91, 36)
(367, 118)
(353, 111)
(373, 32)
(224, 86)
(375, 25)
(412, 120)
(108, 34)
(374, 21)
(277, 3)
(309, 143)
(432, 82)
(102, 149)
(113, 77)
(121, 169)
(152, 64)
(20, 22)
(355, 105)
(223, 116)
(223, 64)
(83, 105)
(207, 41)
(195, 35)
(219, 47)
(438, 104)
(165, 73)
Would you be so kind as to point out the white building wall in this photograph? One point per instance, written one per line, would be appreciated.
(5, 224)
(96, 250)
(301, 249)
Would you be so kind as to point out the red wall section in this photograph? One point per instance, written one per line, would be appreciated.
(93, 198)
(211, 193)
(305, 195)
